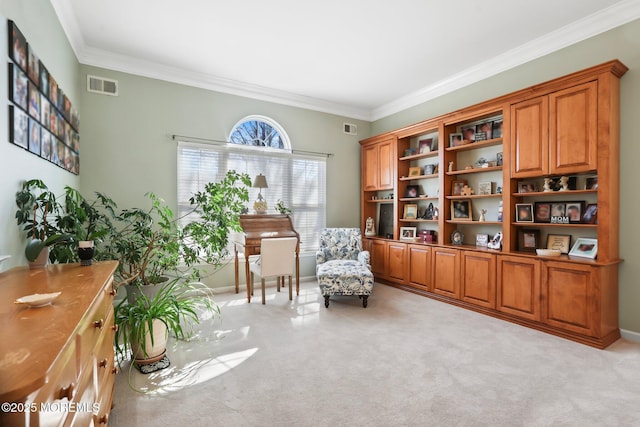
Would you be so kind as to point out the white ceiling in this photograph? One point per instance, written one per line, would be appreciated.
(364, 59)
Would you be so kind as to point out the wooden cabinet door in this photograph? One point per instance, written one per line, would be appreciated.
(573, 127)
(530, 138)
(370, 167)
(378, 257)
(568, 296)
(478, 278)
(419, 266)
(386, 161)
(445, 267)
(397, 260)
(518, 286)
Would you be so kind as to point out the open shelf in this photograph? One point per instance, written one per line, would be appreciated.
(475, 170)
(476, 145)
(420, 156)
(411, 178)
(475, 196)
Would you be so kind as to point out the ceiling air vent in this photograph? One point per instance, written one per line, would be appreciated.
(101, 85)
(350, 128)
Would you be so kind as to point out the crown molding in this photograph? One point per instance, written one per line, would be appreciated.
(597, 23)
(592, 25)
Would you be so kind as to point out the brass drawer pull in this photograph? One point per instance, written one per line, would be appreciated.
(66, 392)
(98, 324)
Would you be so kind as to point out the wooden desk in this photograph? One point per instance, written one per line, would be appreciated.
(254, 229)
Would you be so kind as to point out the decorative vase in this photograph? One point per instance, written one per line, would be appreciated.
(41, 261)
(86, 250)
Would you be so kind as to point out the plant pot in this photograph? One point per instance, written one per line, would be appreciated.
(41, 261)
(150, 353)
(85, 252)
(150, 291)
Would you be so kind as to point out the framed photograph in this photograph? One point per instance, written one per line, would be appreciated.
(524, 212)
(496, 129)
(590, 215)
(412, 191)
(527, 187)
(53, 154)
(18, 92)
(469, 134)
(457, 186)
(484, 131)
(429, 169)
(45, 111)
(485, 188)
(528, 240)
(408, 233)
(482, 240)
(499, 159)
(35, 142)
(44, 80)
(434, 144)
(574, 211)
(542, 211)
(455, 140)
(415, 171)
(591, 183)
(461, 210)
(424, 145)
(18, 127)
(585, 248)
(410, 211)
(457, 237)
(561, 242)
(17, 46)
(33, 66)
(45, 152)
(558, 209)
(34, 101)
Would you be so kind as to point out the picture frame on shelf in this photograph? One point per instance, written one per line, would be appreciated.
(527, 187)
(558, 209)
(410, 211)
(415, 171)
(457, 238)
(412, 191)
(528, 240)
(434, 143)
(574, 211)
(496, 129)
(499, 159)
(457, 186)
(561, 242)
(408, 233)
(485, 188)
(590, 215)
(484, 131)
(482, 240)
(429, 169)
(468, 134)
(424, 145)
(524, 212)
(542, 211)
(461, 210)
(455, 140)
(591, 183)
(585, 248)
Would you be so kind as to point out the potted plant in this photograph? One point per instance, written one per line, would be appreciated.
(145, 323)
(37, 211)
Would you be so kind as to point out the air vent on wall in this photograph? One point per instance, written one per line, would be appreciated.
(350, 129)
(101, 85)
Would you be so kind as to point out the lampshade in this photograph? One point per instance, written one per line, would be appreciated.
(260, 182)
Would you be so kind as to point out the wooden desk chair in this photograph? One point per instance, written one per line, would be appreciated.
(276, 260)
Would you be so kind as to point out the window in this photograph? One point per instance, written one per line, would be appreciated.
(298, 180)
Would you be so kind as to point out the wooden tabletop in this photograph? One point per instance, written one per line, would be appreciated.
(32, 338)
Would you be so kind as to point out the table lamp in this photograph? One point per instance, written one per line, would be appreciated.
(260, 206)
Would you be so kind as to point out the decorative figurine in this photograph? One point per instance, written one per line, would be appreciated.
(466, 191)
(547, 185)
(450, 166)
(496, 242)
(370, 229)
(428, 212)
(435, 213)
(500, 211)
(482, 215)
(564, 182)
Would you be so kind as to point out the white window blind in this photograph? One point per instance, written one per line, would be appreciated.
(298, 180)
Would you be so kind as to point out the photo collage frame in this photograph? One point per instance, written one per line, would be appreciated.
(42, 119)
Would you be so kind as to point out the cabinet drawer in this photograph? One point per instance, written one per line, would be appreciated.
(93, 325)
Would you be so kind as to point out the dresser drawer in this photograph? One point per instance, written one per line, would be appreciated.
(96, 323)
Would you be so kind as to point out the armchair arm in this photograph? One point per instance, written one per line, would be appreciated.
(365, 258)
(320, 257)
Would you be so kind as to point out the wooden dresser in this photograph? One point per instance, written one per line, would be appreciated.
(57, 362)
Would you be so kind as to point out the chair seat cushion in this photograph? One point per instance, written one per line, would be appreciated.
(344, 277)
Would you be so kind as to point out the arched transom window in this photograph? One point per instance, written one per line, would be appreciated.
(259, 131)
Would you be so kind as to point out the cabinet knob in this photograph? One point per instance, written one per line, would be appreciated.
(104, 419)
(103, 363)
(114, 328)
(114, 370)
(98, 323)
(112, 292)
(66, 392)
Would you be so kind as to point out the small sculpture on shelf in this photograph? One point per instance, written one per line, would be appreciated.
(370, 229)
(496, 242)
(482, 218)
(428, 212)
(548, 182)
(564, 183)
(435, 214)
(450, 166)
(466, 191)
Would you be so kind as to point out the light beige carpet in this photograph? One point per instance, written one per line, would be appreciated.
(405, 360)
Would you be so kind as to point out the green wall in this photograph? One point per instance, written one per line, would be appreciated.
(38, 22)
(622, 43)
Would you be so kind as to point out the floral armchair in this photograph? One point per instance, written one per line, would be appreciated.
(342, 267)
